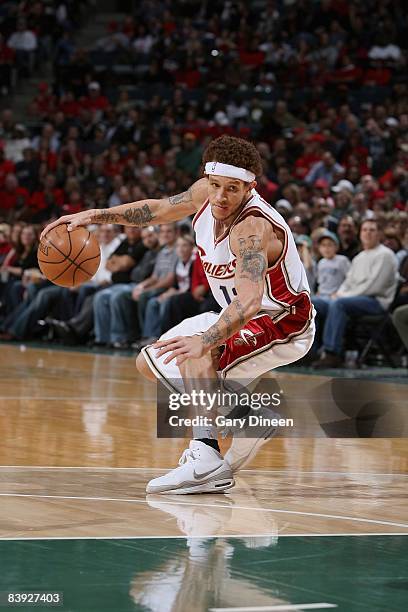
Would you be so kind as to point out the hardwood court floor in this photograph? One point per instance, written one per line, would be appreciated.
(315, 523)
(79, 444)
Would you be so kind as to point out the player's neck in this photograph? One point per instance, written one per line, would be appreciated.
(224, 225)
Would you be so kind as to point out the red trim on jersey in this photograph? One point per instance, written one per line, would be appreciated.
(278, 283)
(262, 332)
(201, 251)
(200, 212)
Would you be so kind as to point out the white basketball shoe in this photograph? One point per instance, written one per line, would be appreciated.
(201, 470)
(244, 448)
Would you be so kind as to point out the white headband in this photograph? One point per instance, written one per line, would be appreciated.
(232, 171)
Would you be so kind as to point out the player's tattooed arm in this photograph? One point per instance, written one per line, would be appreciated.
(167, 210)
(253, 258)
(140, 216)
(181, 198)
(141, 213)
(249, 242)
(231, 320)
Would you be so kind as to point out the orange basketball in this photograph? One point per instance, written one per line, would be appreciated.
(69, 259)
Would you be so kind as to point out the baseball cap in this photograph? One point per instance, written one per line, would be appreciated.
(327, 234)
(343, 184)
(285, 204)
(303, 239)
(391, 122)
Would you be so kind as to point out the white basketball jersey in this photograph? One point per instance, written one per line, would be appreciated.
(285, 282)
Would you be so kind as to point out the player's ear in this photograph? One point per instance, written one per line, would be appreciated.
(252, 185)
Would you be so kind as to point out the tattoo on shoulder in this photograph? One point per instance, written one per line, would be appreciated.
(253, 259)
(181, 198)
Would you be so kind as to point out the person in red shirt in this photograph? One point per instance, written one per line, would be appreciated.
(95, 101)
(49, 195)
(7, 58)
(43, 103)
(13, 198)
(69, 105)
(312, 153)
(74, 203)
(114, 164)
(6, 167)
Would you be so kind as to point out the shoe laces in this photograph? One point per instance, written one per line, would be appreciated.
(190, 454)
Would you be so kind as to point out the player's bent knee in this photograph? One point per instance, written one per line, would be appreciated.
(143, 368)
(202, 366)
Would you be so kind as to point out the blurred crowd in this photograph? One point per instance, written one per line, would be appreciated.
(29, 33)
(320, 87)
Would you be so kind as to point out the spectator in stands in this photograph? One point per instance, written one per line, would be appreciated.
(347, 233)
(130, 301)
(369, 288)
(188, 158)
(6, 166)
(7, 57)
(331, 271)
(24, 42)
(128, 254)
(22, 257)
(360, 210)
(27, 170)
(304, 247)
(400, 320)
(5, 244)
(95, 101)
(156, 306)
(393, 242)
(327, 169)
(13, 198)
(15, 145)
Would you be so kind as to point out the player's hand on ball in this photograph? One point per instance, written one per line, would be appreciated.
(82, 218)
(180, 348)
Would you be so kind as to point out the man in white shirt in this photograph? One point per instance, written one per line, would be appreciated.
(24, 42)
(368, 289)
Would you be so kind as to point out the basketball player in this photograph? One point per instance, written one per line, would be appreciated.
(255, 273)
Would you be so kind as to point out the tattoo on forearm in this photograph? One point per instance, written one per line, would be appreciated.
(228, 322)
(181, 198)
(240, 311)
(212, 336)
(139, 216)
(106, 217)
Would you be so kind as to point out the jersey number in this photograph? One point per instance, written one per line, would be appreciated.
(228, 299)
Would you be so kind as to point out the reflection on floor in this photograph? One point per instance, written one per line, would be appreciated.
(351, 574)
